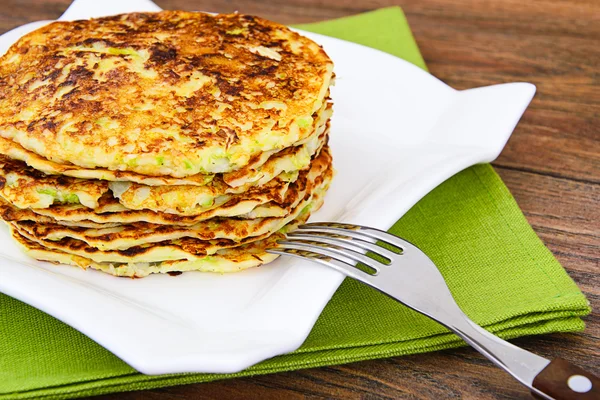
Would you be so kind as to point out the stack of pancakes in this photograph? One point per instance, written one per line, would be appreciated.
(162, 142)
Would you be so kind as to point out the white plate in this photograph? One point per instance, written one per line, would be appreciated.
(397, 133)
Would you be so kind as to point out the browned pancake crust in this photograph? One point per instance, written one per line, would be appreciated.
(169, 93)
(111, 211)
(26, 187)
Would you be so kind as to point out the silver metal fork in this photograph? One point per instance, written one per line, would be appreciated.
(406, 274)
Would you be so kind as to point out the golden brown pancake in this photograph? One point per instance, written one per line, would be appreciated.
(257, 168)
(126, 236)
(226, 260)
(274, 177)
(162, 94)
(25, 187)
(244, 205)
(162, 142)
(186, 248)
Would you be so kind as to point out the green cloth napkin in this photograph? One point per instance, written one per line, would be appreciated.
(497, 268)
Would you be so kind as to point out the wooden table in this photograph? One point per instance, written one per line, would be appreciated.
(551, 165)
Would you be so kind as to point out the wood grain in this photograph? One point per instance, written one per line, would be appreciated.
(551, 165)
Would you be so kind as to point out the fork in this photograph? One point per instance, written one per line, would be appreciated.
(403, 272)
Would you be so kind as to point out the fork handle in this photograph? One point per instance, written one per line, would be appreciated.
(556, 379)
(564, 381)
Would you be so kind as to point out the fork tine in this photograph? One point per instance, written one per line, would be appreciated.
(347, 243)
(372, 233)
(340, 266)
(349, 257)
(334, 232)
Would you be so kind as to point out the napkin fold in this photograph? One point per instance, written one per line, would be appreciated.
(499, 271)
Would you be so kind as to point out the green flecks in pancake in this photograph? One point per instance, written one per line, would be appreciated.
(25, 187)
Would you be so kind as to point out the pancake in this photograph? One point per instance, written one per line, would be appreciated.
(140, 233)
(179, 249)
(243, 205)
(9, 213)
(274, 176)
(18, 152)
(112, 211)
(162, 142)
(230, 260)
(123, 237)
(161, 94)
(266, 164)
(290, 159)
(25, 187)
(177, 200)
